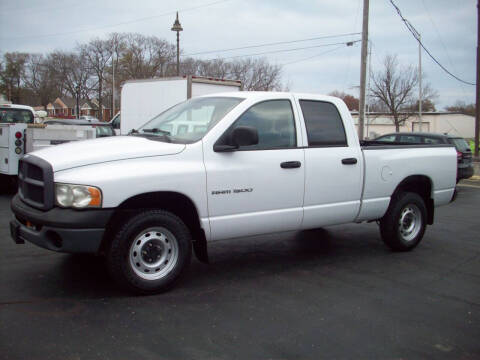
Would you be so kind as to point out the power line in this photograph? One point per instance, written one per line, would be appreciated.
(314, 56)
(270, 44)
(287, 50)
(462, 86)
(415, 35)
(173, 12)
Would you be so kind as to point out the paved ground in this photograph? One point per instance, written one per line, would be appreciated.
(335, 293)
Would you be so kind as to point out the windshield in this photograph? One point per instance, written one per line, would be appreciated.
(12, 116)
(189, 121)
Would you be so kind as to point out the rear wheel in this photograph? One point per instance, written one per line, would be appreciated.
(150, 252)
(404, 224)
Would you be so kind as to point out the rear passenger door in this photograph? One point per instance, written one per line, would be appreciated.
(333, 167)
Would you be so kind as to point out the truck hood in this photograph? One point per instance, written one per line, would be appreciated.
(89, 152)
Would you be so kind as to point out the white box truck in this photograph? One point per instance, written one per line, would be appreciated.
(141, 100)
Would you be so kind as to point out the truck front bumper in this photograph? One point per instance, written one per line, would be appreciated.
(63, 230)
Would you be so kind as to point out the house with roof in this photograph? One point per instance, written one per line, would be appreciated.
(65, 107)
(90, 107)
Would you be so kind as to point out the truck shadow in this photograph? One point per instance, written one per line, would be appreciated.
(236, 260)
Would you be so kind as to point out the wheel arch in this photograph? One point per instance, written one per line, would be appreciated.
(421, 185)
(174, 202)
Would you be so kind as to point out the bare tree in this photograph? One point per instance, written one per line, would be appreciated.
(97, 54)
(255, 74)
(463, 108)
(40, 79)
(395, 87)
(145, 57)
(73, 72)
(12, 72)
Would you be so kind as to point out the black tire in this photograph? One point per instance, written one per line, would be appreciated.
(403, 225)
(150, 252)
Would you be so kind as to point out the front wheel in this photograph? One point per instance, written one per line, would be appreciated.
(150, 252)
(404, 224)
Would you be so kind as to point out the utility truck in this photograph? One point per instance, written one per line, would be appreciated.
(19, 134)
(261, 162)
(143, 99)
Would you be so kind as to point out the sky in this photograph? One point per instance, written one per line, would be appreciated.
(448, 29)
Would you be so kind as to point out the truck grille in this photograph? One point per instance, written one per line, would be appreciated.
(35, 182)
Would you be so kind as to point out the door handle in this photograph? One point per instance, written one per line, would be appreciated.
(349, 161)
(290, 164)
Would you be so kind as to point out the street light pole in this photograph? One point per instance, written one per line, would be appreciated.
(177, 27)
(77, 88)
(113, 85)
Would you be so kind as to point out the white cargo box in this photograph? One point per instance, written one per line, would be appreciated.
(143, 99)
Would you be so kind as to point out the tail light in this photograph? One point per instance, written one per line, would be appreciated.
(18, 142)
(459, 156)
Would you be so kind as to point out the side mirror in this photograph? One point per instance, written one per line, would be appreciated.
(240, 136)
(244, 136)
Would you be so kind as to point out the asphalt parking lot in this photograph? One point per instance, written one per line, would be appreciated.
(331, 293)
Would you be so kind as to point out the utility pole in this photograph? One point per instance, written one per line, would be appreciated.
(420, 82)
(363, 69)
(477, 110)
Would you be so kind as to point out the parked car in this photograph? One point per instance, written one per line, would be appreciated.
(464, 153)
(261, 162)
(103, 129)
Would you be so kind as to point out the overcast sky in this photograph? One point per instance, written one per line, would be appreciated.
(448, 29)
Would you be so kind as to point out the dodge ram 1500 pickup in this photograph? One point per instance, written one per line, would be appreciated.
(224, 166)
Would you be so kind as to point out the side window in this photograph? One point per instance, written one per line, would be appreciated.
(274, 122)
(410, 139)
(324, 124)
(387, 138)
(432, 140)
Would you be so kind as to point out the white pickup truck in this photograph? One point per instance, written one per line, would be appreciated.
(251, 163)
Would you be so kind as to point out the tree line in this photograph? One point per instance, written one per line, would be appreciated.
(38, 79)
(87, 70)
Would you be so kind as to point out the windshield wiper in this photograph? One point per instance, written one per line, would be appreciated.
(156, 130)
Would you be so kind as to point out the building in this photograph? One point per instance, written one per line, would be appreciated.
(377, 124)
(65, 107)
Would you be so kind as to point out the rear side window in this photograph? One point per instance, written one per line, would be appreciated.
(11, 116)
(274, 122)
(324, 124)
(461, 144)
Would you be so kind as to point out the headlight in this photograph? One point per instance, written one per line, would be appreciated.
(77, 196)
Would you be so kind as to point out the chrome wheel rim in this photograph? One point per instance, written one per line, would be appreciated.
(410, 222)
(154, 253)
